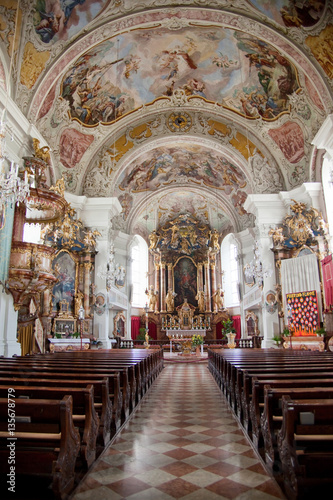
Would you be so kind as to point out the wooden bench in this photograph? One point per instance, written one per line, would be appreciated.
(271, 417)
(257, 402)
(102, 401)
(47, 443)
(305, 449)
(85, 417)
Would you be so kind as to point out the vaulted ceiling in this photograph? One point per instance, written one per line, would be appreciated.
(173, 109)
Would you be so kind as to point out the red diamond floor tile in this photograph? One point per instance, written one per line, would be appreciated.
(181, 442)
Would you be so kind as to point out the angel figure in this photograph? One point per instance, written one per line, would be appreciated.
(153, 238)
(41, 153)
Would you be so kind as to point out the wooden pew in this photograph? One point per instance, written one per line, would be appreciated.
(71, 375)
(306, 451)
(84, 415)
(102, 401)
(245, 395)
(271, 418)
(47, 442)
(257, 402)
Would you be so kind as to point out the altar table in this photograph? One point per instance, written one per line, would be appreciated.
(182, 335)
(57, 345)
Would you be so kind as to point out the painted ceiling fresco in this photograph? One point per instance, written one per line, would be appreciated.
(61, 19)
(182, 164)
(242, 72)
(241, 86)
(290, 12)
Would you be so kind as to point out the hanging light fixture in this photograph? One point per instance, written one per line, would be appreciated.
(255, 271)
(111, 271)
(14, 188)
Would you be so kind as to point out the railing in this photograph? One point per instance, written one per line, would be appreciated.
(253, 342)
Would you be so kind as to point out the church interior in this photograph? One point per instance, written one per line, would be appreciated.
(166, 180)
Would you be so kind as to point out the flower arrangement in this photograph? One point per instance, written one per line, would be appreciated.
(197, 340)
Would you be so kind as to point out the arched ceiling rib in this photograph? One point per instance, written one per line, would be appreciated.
(179, 99)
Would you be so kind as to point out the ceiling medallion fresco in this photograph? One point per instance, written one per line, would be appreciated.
(119, 75)
(179, 165)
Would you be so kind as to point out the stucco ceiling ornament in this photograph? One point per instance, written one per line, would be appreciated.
(265, 176)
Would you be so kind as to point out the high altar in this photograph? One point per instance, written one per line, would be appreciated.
(185, 286)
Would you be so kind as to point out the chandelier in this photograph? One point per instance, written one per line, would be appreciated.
(255, 271)
(111, 271)
(13, 188)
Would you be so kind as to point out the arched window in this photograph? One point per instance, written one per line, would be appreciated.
(229, 260)
(139, 254)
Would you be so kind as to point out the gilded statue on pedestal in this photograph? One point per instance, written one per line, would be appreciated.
(200, 297)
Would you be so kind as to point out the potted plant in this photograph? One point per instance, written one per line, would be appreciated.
(229, 331)
(278, 340)
(227, 327)
(321, 332)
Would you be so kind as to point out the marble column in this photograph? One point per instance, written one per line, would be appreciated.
(157, 285)
(86, 285)
(213, 278)
(208, 292)
(200, 276)
(170, 284)
(163, 287)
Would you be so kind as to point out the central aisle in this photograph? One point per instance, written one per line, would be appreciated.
(182, 442)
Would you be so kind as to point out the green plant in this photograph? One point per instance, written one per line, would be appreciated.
(286, 332)
(227, 327)
(277, 339)
(197, 340)
(142, 335)
(321, 331)
(57, 335)
(76, 335)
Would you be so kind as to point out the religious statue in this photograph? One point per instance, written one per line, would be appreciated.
(200, 297)
(152, 296)
(78, 302)
(153, 238)
(41, 153)
(214, 239)
(170, 300)
(218, 299)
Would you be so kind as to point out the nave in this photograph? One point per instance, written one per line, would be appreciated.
(182, 442)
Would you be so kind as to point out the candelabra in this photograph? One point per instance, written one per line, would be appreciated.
(112, 271)
(255, 271)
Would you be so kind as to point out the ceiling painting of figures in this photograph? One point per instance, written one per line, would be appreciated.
(239, 71)
(182, 164)
(61, 19)
(305, 13)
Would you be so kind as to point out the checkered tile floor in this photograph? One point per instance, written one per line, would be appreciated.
(182, 442)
